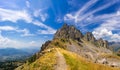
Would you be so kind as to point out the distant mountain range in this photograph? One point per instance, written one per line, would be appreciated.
(8, 54)
(115, 45)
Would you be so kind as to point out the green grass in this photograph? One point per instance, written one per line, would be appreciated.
(45, 62)
(110, 56)
(76, 62)
(61, 43)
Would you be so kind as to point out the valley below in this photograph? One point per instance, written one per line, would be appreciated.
(11, 58)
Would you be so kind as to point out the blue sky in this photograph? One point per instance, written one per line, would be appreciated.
(29, 23)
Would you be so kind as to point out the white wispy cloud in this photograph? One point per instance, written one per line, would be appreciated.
(105, 30)
(9, 4)
(41, 14)
(18, 13)
(101, 18)
(23, 32)
(47, 30)
(85, 7)
(28, 4)
(80, 16)
(108, 22)
(11, 43)
(107, 34)
(44, 16)
(14, 15)
(59, 19)
(7, 28)
(36, 12)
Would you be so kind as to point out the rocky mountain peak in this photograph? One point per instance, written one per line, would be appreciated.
(68, 32)
(89, 37)
(85, 46)
(102, 43)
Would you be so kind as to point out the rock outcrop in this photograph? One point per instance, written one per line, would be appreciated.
(89, 37)
(68, 32)
(44, 46)
(102, 43)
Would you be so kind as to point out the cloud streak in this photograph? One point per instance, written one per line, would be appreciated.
(24, 32)
(96, 10)
(107, 22)
(28, 4)
(7, 28)
(81, 16)
(48, 30)
(105, 30)
(10, 43)
(85, 7)
(40, 13)
(14, 16)
(25, 15)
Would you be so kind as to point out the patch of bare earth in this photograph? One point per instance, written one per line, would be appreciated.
(61, 62)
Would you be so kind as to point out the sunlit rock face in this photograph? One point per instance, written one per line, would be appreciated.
(69, 32)
(89, 37)
(102, 43)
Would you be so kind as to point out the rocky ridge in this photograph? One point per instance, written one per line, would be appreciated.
(70, 32)
(87, 45)
(72, 40)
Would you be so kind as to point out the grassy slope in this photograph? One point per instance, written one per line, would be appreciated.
(45, 62)
(74, 62)
(77, 62)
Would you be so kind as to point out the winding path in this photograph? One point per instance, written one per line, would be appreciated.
(61, 62)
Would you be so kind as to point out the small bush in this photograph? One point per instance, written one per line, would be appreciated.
(32, 59)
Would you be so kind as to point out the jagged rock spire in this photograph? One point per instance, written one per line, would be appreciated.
(68, 32)
(89, 37)
(102, 43)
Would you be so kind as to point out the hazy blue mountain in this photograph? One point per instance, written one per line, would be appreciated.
(7, 54)
(115, 45)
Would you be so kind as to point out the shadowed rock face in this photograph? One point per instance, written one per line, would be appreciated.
(44, 46)
(89, 37)
(102, 43)
(68, 32)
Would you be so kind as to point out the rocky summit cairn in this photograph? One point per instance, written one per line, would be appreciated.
(68, 32)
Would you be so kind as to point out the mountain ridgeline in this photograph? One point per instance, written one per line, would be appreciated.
(70, 32)
(70, 49)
